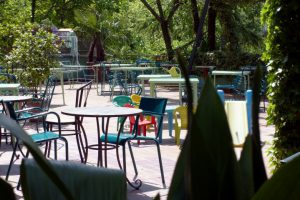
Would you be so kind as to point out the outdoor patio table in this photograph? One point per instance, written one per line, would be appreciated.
(9, 89)
(233, 73)
(97, 112)
(143, 77)
(15, 98)
(103, 67)
(179, 81)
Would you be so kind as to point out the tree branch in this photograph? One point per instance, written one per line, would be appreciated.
(151, 10)
(160, 10)
(175, 7)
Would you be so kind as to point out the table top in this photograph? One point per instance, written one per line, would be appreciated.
(205, 67)
(14, 98)
(102, 111)
(148, 76)
(172, 80)
(218, 72)
(9, 85)
(114, 65)
(132, 68)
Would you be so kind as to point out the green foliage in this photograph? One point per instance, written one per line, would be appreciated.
(34, 52)
(228, 61)
(282, 55)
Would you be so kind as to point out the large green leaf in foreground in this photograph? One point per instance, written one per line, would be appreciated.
(19, 133)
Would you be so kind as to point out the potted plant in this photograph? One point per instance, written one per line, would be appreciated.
(33, 55)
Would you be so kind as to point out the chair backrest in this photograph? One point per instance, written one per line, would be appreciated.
(47, 95)
(9, 110)
(175, 72)
(154, 107)
(121, 100)
(136, 99)
(7, 78)
(181, 111)
(82, 94)
(99, 183)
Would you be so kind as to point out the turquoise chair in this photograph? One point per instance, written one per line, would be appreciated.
(39, 137)
(151, 107)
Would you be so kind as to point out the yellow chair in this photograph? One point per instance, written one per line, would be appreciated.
(175, 72)
(136, 99)
(181, 121)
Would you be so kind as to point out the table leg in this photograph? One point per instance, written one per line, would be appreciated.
(62, 86)
(152, 94)
(100, 160)
(180, 94)
(195, 94)
(81, 148)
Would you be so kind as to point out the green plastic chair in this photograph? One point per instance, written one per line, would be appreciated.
(121, 101)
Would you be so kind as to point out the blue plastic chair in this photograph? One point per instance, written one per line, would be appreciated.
(151, 107)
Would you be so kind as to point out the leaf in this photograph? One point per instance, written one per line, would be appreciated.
(213, 161)
(259, 175)
(284, 184)
(19, 133)
(6, 190)
(246, 169)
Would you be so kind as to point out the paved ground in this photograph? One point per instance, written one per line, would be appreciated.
(145, 154)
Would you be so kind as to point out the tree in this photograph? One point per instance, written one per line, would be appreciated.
(282, 55)
(164, 21)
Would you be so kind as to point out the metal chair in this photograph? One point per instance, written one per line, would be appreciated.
(43, 102)
(40, 137)
(82, 95)
(151, 107)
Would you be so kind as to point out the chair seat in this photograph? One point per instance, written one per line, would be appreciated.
(145, 122)
(112, 138)
(40, 137)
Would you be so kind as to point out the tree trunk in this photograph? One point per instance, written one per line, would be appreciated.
(96, 44)
(211, 29)
(99, 48)
(167, 39)
(195, 15)
(91, 50)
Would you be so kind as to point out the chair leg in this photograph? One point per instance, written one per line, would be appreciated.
(160, 163)
(132, 158)
(124, 159)
(11, 160)
(55, 149)
(177, 136)
(66, 147)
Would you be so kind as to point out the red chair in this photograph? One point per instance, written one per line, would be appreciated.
(143, 123)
